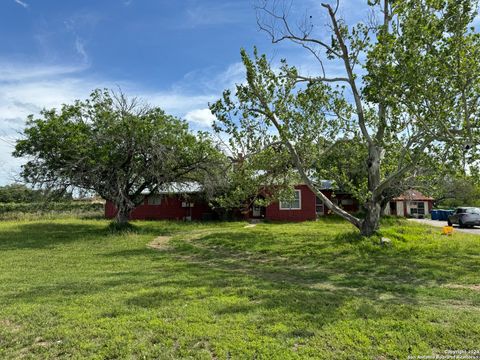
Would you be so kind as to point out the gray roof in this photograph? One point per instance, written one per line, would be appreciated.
(195, 187)
(326, 184)
(178, 188)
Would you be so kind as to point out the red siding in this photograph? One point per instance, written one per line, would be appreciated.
(170, 208)
(307, 212)
(351, 208)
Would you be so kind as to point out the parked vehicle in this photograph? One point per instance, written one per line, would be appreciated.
(465, 217)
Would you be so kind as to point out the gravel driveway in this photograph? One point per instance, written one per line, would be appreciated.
(437, 223)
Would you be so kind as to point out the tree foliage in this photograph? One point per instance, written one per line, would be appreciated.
(452, 191)
(408, 96)
(113, 146)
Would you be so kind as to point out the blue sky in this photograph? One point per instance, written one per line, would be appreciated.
(177, 54)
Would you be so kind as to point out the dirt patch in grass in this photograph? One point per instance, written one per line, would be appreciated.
(10, 326)
(459, 286)
(43, 343)
(331, 287)
(39, 342)
(159, 243)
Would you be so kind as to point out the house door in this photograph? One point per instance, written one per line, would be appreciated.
(393, 208)
(258, 211)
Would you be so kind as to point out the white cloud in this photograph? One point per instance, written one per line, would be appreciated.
(80, 47)
(80, 26)
(202, 117)
(17, 100)
(32, 89)
(210, 80)
(195, 90)
(234, 74)
(9, 166)
(26, 89)
(21, 3)
(476, 21)
(11, 71)
(217, 14)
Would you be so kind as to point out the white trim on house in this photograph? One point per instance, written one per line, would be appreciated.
(400, 208)
(289, 202)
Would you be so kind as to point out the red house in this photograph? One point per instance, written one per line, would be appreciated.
(305, 206)
(178, 202)
(182, 205)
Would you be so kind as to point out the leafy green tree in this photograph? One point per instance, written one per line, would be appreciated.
(115, 147)
(254, 181)
(455, 190)
(409, 92)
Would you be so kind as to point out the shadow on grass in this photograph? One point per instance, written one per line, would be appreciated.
(117, 228)
(37, 235)
(45, 233)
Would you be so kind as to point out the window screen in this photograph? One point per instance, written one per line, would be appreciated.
(292, 204)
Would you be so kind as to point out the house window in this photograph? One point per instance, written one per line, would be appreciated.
(319, 207)
(347, 201)
(421, 208)
(292, 204)
(154, 200)
(256, 211)
(417, 208)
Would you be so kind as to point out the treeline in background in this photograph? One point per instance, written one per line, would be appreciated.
(20, 201)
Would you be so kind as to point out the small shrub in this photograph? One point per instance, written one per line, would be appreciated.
(116, 228)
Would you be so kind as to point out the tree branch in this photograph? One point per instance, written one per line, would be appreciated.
(351, 77)
(298, 163)
(320, 79)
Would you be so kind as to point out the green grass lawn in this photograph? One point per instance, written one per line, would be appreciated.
(73, 289)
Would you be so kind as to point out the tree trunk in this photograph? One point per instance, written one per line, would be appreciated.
(373, 207)
(123, 214)
(372, 219)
